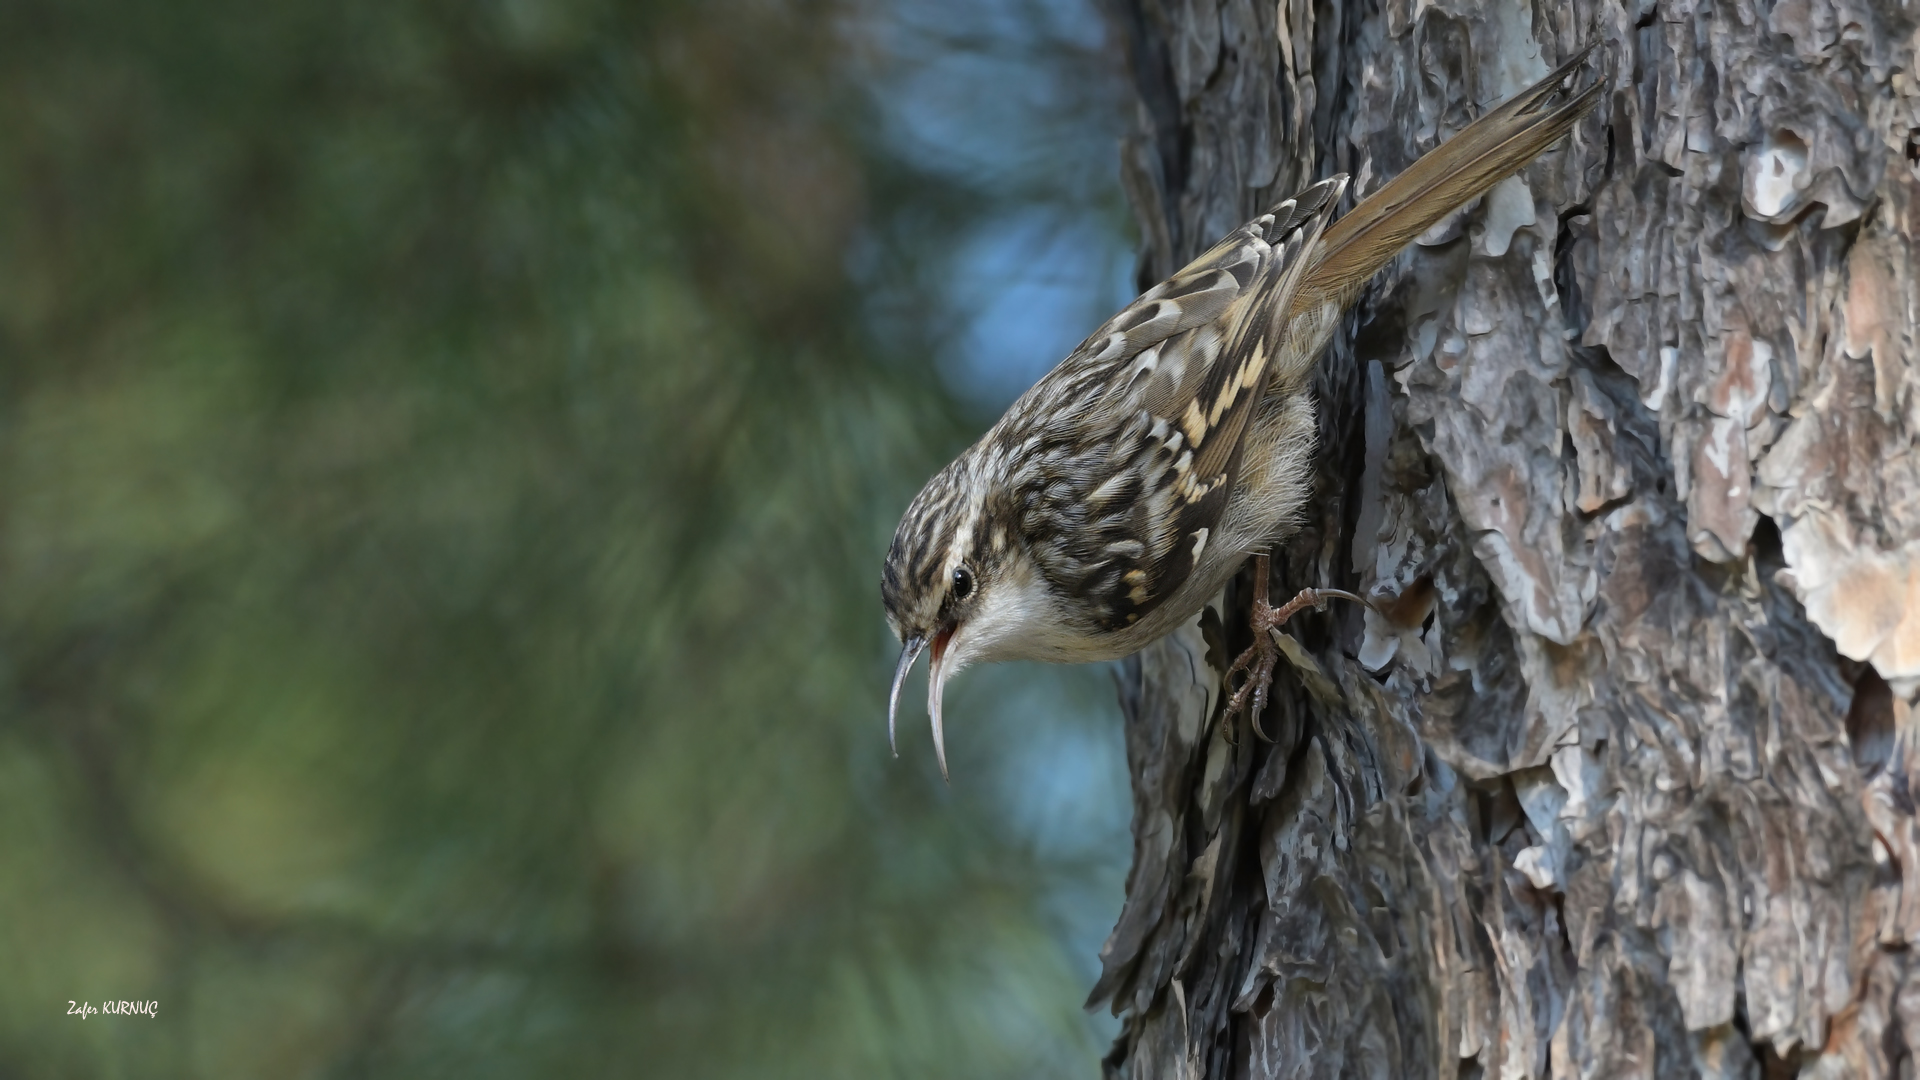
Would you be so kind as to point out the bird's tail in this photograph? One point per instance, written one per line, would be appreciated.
(1464, 167)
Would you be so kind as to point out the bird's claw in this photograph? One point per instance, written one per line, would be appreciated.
(1259, 658)
(1258, 662)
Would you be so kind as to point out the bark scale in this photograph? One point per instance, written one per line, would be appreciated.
(1618, 785)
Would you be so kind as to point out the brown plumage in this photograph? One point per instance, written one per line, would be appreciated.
(1116, 496)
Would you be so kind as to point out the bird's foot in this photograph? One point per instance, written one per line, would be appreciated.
(1259, 658)
(1258, 663)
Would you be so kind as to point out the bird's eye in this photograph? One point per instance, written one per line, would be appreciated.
(962, 582)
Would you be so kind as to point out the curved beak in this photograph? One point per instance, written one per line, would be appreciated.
(937, 673)
(909, 652)
(936, 692)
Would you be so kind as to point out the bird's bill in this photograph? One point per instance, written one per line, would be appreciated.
(909, 652)
(937, 672)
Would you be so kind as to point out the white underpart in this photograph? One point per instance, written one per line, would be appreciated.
(1017, 620)
(1276, 481)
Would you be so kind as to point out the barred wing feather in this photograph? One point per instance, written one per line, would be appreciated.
(1171, 383)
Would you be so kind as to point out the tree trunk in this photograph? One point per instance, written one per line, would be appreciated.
(1618, 783)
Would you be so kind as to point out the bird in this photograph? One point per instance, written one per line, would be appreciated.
(1115, 497)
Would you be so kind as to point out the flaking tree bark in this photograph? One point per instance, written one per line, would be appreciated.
(1616, 783)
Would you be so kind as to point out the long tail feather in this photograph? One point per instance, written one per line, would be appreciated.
(1464, 167)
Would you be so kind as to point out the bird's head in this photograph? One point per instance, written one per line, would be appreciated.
(958, 583)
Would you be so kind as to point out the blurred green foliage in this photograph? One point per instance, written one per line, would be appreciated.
(445, 456)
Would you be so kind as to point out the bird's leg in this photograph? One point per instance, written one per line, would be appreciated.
(1259, 658)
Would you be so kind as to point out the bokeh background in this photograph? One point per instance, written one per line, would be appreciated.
(446, 452)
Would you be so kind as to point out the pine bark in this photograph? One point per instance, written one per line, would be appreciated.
(1616, 784)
